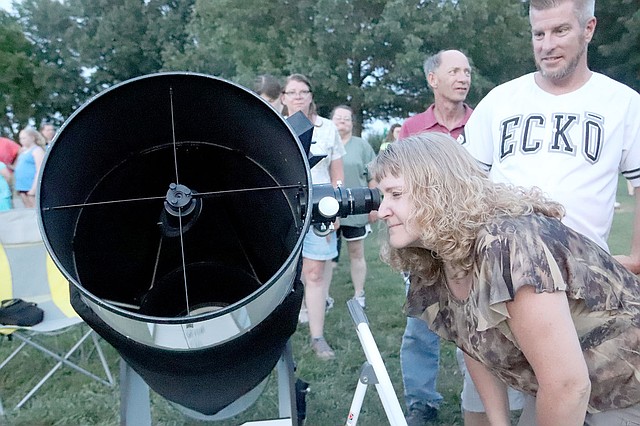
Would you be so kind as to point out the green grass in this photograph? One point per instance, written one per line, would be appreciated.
(72, 399)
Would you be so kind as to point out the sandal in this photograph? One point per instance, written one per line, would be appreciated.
(322, 349)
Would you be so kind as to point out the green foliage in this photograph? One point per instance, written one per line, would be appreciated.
(615, 49)
(45, 23)
(19, 85)
(364, 53)
(125, 38)
(376, 139)
(83, 47)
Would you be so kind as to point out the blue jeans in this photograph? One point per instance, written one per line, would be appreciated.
(420, 362)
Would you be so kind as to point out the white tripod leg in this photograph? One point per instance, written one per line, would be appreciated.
(379, 375)
(367, 377)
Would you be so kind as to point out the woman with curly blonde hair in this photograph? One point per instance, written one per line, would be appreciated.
(533, 304)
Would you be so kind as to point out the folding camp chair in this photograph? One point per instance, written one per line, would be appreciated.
(27, 272)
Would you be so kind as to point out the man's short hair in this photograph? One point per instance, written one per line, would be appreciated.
(346, 107)
(583, 9)
(44, 124)
(431, 64)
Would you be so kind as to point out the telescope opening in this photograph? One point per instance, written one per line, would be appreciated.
(177, 204)
(231, 243)
(166, 297)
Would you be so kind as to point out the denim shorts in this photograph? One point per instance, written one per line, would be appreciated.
(319, 248)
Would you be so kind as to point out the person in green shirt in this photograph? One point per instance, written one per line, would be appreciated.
(354, 229)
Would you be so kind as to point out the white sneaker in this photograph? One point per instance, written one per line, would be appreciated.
(360, 299)
(303, 316)
(329, 304)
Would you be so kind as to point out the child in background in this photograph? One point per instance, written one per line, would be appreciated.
(28, 165)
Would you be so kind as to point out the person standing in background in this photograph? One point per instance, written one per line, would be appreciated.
(5, 189)
(48, 130)
(28, 165)
(448, 74)
(317, 251)
(564, 129)
(392, 136)
(9, 151)
(354, 229)
(269, 89)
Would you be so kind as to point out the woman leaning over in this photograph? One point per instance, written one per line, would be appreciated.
(533, 304)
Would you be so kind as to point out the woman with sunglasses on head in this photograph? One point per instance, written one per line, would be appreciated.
(533, 304)
(317, 252)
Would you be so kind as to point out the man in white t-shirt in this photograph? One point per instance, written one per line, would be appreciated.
(565, 129)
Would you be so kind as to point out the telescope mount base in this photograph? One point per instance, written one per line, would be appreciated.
(135, 403)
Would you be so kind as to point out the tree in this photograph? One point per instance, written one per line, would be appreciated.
(235, 40)
(85, 46)
(121, 39)
(364, 53)
(615, 49)
(19, 86)
(367, 54)
(494, 34)
(46, 24)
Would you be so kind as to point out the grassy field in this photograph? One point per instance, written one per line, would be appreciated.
(71, 399)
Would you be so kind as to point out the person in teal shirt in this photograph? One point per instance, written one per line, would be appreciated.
(5, 189)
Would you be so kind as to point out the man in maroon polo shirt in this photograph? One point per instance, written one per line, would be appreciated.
(449, 76)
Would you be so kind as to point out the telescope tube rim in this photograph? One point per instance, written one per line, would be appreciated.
(291, 258)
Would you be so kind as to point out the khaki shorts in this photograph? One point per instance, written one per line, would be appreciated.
(471, 398)
(629, 416)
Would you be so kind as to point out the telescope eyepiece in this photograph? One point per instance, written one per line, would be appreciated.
(330, 203)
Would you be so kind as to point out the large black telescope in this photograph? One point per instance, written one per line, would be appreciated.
(176, 204)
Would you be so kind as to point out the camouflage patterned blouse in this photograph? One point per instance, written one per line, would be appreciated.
(541, 252)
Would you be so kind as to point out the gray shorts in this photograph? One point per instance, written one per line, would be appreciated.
(471, 398)
(354, 233)
(629, 416)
